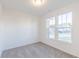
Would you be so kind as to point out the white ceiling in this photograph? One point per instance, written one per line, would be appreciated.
(26, 6)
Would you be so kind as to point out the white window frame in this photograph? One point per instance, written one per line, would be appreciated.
(65, 40)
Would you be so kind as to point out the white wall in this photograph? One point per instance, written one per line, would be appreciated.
(71, 48)
(17, 29)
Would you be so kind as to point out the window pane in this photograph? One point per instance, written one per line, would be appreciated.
(51, 33)
(69, 19)
(64, 34)
(51, 21)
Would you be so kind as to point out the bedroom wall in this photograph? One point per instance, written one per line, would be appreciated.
(71, 48)
(17, 29)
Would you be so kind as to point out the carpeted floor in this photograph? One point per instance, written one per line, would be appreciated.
(38, 50)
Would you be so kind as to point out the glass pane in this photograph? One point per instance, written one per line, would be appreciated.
(51, 21)
(69, 19)
(64, 34)
(51, 33)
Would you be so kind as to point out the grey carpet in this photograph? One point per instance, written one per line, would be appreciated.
(38, 50)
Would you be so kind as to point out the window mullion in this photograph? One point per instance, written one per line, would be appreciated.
(56, 28)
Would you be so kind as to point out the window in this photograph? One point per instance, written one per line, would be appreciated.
(51, 27)
(64, 28)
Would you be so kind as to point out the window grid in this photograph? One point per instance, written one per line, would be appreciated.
(64, 29)
(60, 28)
